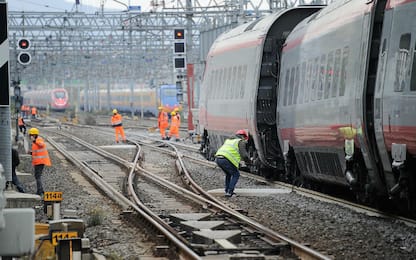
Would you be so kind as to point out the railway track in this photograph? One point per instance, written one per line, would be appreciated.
(231, 233)
(190, 158)
(304, 192)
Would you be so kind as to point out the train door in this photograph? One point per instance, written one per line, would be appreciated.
(370, 45)
(398, 146)
(379, 100)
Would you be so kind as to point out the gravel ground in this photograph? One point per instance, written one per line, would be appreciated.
(332, 229)
(109, 233)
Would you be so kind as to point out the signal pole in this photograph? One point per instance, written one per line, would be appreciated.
(5, 121)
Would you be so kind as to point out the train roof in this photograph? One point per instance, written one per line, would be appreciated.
(44, 91)
(330, 18)
(250, 32)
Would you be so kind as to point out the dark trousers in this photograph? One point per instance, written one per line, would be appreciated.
(22, 129)
(231, 173)
(38, 177)
(16, 181)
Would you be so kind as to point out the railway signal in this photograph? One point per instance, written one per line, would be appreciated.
(179, 62)
(23, 44)
(179, 49)
(24, 57)
(179, 34)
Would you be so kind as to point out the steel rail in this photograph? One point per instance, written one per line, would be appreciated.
(117, 196)
(300, 250)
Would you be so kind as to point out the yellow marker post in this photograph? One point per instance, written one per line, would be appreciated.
(52, 203)
(62, 235)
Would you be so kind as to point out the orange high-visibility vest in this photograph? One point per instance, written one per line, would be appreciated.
(116, 120)
(40, 153)
(163, 119)
(175, 121)
(20, 121)
(33, 110)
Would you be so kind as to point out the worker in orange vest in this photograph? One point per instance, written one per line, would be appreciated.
(163, 122)
(176, 109)
(34, 112)
(40, 157)
(25, 111)
(116, 122)
(174, 126)
(21, 124)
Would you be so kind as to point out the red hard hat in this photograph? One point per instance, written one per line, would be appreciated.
(243, 133)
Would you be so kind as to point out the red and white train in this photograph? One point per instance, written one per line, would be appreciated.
(328, 96)
(54, 99)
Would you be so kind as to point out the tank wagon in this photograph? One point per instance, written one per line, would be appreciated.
(344, 104)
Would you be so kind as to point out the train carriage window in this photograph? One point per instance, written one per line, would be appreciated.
(211, 89)
(237, 82)
(213, 83)
(302, 82)
(314, 78)
(286, 87)
(243, 81)
(296, 86)
(329, 73)
(321, 81)
(413, 76)
(208, 87)
(343, 82)
(60, 94)
(291, 86)
(337, 71)
(234, 83)
(217, 84)
(220, 84)
(308, 81)
(228, 83)
(382, 65)
(402, 62)
(224, 84)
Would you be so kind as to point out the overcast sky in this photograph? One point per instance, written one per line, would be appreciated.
(69, 5)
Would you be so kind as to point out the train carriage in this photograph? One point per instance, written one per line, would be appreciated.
(54, 99)
(346, 105)
(124, 100)
(394, 100)
(239, 86)
(328, 97)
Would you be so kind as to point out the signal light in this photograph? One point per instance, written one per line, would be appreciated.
(179, 48)
(179, 34)
(23, 44)
(179, 63)
(24, 58)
